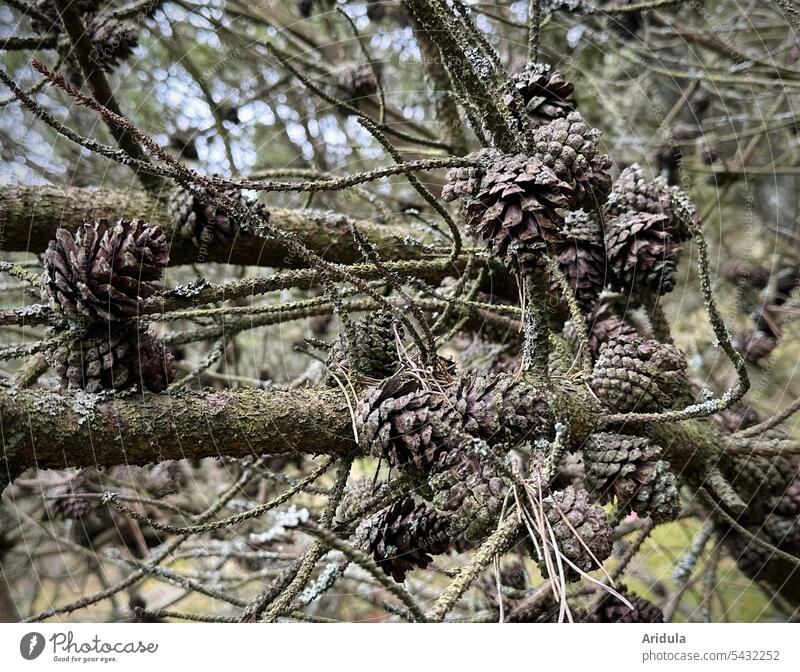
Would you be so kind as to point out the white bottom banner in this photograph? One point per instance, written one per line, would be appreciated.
(389, 647)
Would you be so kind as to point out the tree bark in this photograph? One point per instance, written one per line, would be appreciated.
(49, 430)
(30, 215)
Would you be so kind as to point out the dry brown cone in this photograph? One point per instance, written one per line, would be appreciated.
(204, 222)
(546, 94)
(641, 252)
(113, 357)
(406, 424)
(629, 469)
(638, 375)
(65, 500)
(582, 533)
(513, 205)
(610, 609)
(411, 426)
(373, 350)
(102, 270)
(404, 536)
(755, 346)
(602, 326)
(357, 80)
(470, 490)
(112, 42)
(309, 7)
(569, 147)
(582, 258)
(501, 408)
(632, 192)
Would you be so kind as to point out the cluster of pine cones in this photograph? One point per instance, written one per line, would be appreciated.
(95, 278)
(112, 41)
(454, 437)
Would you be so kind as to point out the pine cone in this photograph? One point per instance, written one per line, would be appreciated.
(69, 506)
(102, 271)
(204, 222)
(569, 148)
(739, 416)
(358, 493)
(406, 424)
(641, 252)
(470, 490)
(515, 208)
(789, 503)
(501, 408)
(755, 346)
(465, 182)
(569, 513)
(640, 375)
(376, 10)
(547, 95)
(112, 42)
(602, 326)
(633, 192)
(357, 80)
(609, 609)
(306, 7)
(373, 352)
(582, 257)
(404, 536)
(185, 143)
(115, 358)
(628, 468)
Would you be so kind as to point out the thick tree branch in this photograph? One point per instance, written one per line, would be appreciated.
(29, 217)
(50, 430)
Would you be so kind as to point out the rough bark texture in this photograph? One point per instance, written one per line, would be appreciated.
(50, 430)
(29, 217)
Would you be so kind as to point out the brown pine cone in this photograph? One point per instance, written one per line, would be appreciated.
(204, 222)
(357, 80)
(501, 408)
(470, 490)
(113, 358)
(602, 326)
(308, 7)
(629, 469)
(570, 513)
(609, 609)
(633, 192)
(102, 271)
(546, 94)
(514, 208)
(582, 257)
(403, 537)
(112, 42)
(641, 252)
(638, 375)
(63, 501)
(755, 346)
(373, 352)
(407, 424)
(569, 147)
